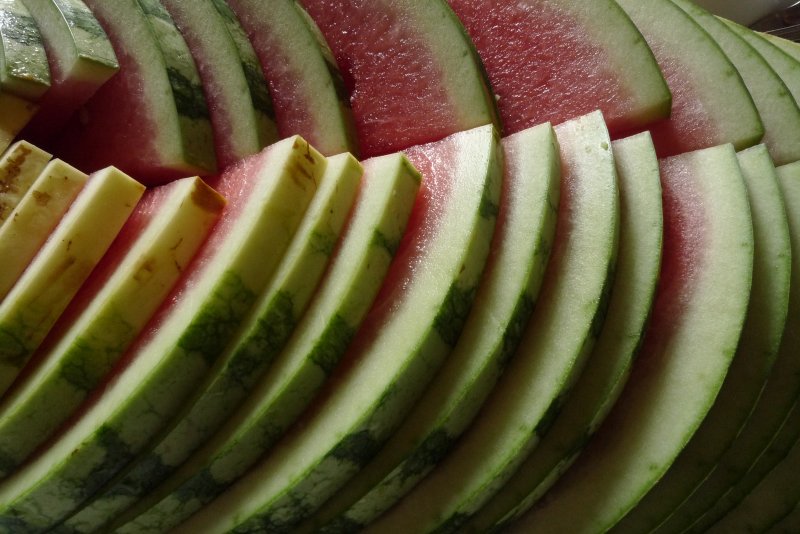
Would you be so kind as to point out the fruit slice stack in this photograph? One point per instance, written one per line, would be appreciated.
(661, 348)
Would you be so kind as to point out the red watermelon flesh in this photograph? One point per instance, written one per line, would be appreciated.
(393, 74)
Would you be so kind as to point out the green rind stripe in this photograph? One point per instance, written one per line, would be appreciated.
(24, 70)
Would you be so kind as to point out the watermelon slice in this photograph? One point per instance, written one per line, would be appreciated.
(557, 60)
(32, 221)
(410, 70)
(81, 59)
(703, 114)
(23, 60)
(601, 381)
(20, 165)
(778, 109)
(761, 337)
(263, 336)
(415, 320)
(151, 120)
(306, 87)
(696, 321)
(235, 88)
(503, 305)
(15, 113)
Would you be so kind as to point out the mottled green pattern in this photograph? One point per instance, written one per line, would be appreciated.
(189, 97)
(429, 453)
(332, 344)
(90, 39)
(380, 239)
(357, 448)
(451, 316)
(12, 347)
(23, 64)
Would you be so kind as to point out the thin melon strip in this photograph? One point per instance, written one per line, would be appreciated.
(560, 334)
(504, 302)
(63, 263)
(20, 165)
(772, 411)
(360, 264)
(33, 219)
(758, 347)
(698, 313)
(778, 110)
(262, 337)
(606, 372)
(267, 195)
(15, 113)
(411, 327)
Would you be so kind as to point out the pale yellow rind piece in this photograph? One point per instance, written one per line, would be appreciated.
(20, 165)
(15, 112)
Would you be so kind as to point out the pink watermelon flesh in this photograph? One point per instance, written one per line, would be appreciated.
(390, 73)
(541, 65)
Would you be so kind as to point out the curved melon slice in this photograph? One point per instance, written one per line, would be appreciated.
(779, 111)
(31, 222)
(113, 305)
(306, 88)
(81, 60)
(413, 324)
(696, 69)
(555, 60)
(696, 321)
(62, 265)
(151, 119)
(504, 302)
(758, 347)
(775, 406)
(23, 61)
(556, 340)
(238, 97)
(263, 335)
(361, 262)
(267, 196)
(607, 369)
(410, 69)
(20, 165)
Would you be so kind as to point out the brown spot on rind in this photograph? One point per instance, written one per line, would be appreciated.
(13, 170)
(207, 198)
(41, 197)
(146, 270)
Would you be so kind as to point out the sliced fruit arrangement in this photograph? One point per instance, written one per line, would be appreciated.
(62, 265)
(413, 324)
(238, 97)
(34, 218)
(696, 322)
(359, 265)
(560, 334)
(758, 347)
(556, 60)
(410, 70)
(636, 274)
(20, 165)
(306, 87)
(80, 58)
(157, 242)
(503, 304)
(778, 110)
(151, 120)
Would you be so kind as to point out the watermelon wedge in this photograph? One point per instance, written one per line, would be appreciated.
(20, 165)
(698, 312)
(608, 366)
(409, 68)
(758, 347)
(557, 60)
(696, 69)
(236, 91)
(32, 221)
(414, 322)
(151, 120)
(306, 88)
(80, 57)
(23, 60)
(15, 113)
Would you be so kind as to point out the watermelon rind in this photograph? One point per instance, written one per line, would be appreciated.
(33, 219)
(503, 304)
(63, 263)
(687, 348)
(23, 61)
(15, 113)
(20, 165)
(758, 347)
(608, 366)
(360, 263)
(778, 110)
(262, 336)
(385, 370)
